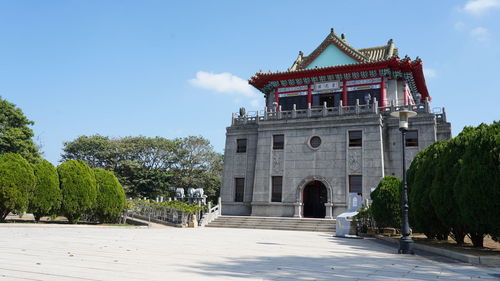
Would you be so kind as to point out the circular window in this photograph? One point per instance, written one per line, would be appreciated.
(315, 142)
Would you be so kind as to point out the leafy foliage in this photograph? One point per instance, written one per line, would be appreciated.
(177, 205)
(110, 201)
(78, 188)
(443, 195)
(420, 177)
(17, 181)
(386, 208)
(151, 167)
(15, 132)
(478, 181)
(46, 197)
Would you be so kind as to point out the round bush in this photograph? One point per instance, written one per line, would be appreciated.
(110, 201)
(78, 189)
(46, 198)
(386, 205)
(17, 181)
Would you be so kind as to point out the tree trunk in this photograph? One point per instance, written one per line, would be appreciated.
(477, 239)
(458, 236)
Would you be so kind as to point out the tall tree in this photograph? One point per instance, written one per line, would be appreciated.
(17, 181)
(15, 132)
(478, 181)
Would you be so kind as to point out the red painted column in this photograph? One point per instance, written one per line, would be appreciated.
(277, 99)
(383, 93)
(405, 101)
(309, 95)
(344, 93)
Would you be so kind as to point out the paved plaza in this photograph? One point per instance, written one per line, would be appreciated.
(61, 252)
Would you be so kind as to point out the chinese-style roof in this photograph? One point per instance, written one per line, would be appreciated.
(370, 62)
(360, 55)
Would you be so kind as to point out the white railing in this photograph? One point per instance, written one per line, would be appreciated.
(324, 111)
(212, 213)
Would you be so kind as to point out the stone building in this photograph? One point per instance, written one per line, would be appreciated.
(326, 132)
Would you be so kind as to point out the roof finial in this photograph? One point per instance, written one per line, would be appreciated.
(301, 53)
(389, 42)
(342, 36)
(331, 30)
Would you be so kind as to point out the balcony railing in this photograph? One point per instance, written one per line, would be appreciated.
(255, 117)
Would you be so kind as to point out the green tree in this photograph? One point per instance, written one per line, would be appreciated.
(478, 181)
(17, 181)
(97, 151)
(386, 202)
(420, 177)
(15, 132)
(199, 166)
(150, 167)
(78, 189)
(110, 201)
(46, 197)
(443, 194)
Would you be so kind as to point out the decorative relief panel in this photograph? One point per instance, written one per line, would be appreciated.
(277, 163)
(354, 161)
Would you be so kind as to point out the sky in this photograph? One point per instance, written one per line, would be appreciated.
(178, 68)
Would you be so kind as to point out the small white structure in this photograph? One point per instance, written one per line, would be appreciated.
(343, 222)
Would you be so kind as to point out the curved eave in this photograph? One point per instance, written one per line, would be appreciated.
(418, 75)
(260, 79)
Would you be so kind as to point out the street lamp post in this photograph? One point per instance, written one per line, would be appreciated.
(405, 243)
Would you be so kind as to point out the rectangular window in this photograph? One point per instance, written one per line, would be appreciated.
(277, 187)
(411, 138)
(278, 141)
(239, 188)
(355, 138)
(355, 184)
(241, 145)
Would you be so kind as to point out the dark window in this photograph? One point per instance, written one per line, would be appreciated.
(363, 96)
(241, 145)
(277, 187)
(239, 188)
(288, 102)
(315, 142)
(355, 138)
(355, 184)
(278, 141)
(412, 138)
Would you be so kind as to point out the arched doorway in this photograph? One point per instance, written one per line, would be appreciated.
(314, 197)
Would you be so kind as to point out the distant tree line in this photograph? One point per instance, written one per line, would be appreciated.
(151, 167)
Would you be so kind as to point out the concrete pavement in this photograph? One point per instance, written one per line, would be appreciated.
(63, 252)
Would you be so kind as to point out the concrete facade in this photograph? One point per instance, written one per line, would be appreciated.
(331, 163)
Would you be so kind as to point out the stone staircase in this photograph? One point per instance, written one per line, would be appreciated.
(276, 223)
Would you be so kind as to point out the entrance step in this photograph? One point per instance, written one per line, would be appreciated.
(276, 223)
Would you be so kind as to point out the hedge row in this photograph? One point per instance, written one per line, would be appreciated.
(454, 186)
(73, 190)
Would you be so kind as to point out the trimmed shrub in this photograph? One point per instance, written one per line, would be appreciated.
(420, 177)
(386, 205)
(46, 197)
(17, 181)
(443, 194)
(78, 189)
(478, 181)
(110, 201)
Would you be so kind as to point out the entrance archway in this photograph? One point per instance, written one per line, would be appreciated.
(314, 197)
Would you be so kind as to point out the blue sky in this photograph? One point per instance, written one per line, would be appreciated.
(173, 69)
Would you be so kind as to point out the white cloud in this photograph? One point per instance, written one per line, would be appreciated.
(480, 34)
(222, 83)
(430, 73)
(227, 83)
(479, 7)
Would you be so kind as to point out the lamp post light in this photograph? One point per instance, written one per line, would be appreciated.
(405, 243)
